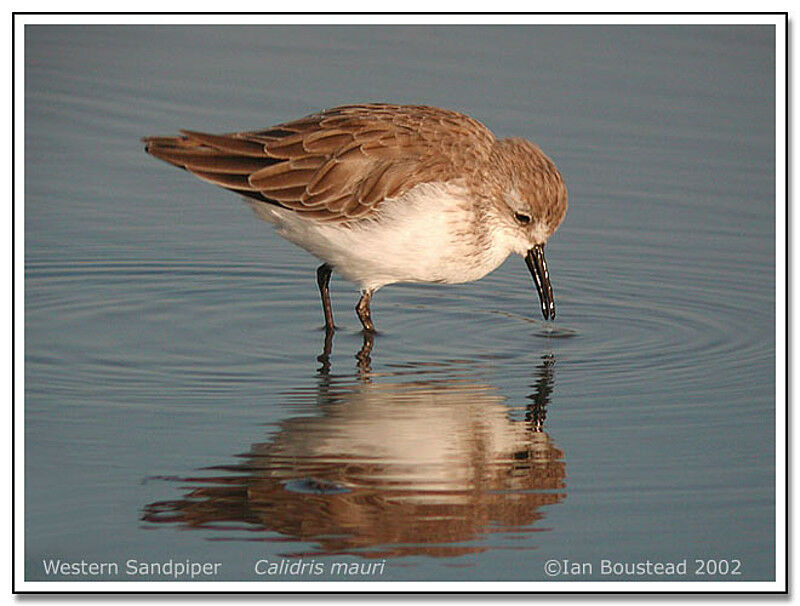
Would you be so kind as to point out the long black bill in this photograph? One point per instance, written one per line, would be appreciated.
(538, 268)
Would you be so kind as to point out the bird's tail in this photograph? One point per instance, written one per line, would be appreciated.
(223, 160)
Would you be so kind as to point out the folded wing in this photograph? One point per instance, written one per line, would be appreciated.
(337, 165)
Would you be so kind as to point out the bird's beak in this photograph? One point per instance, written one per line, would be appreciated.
(538, 268)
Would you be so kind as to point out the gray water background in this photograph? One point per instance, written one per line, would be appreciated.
(172, 339)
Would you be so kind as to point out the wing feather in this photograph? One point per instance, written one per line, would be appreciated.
(337, 165)
(227, 143)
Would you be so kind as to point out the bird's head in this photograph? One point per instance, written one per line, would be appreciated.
(529, 201)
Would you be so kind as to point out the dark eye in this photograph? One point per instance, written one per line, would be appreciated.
(522, 218)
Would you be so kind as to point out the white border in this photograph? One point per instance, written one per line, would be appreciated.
(781, 311)
(780, 583)
(421, 19)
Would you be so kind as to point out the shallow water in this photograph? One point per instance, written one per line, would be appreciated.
(181, 400)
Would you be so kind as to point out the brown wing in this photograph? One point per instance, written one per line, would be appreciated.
(339, 164)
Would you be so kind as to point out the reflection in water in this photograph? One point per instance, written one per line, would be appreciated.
(388, 468)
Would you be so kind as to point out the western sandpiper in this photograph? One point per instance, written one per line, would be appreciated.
(389, 193)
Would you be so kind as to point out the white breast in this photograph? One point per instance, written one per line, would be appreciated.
(428, 235)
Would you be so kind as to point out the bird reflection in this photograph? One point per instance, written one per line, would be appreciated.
(387, 468)
(363, 356)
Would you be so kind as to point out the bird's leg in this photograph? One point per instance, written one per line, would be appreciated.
(362, 309)
(323, 279)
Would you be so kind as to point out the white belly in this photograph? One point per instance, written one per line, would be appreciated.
(429, 235)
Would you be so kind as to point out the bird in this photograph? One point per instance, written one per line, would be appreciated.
(386, 193)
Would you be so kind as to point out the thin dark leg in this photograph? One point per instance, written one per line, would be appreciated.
(323, 279)
(362, 309)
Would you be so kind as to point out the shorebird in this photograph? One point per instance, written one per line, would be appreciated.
(389, 193)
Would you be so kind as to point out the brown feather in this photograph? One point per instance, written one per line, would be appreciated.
(288, 148)
(235, 182)
(326, 142)
(227, 143)
(271, 177)
(308, 162)
(290, 178)
(339, 164)
(215, 162)
(287, 195)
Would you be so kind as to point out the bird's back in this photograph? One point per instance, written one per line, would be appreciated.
(337, 165)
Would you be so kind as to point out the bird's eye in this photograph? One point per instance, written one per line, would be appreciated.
(522, 218)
